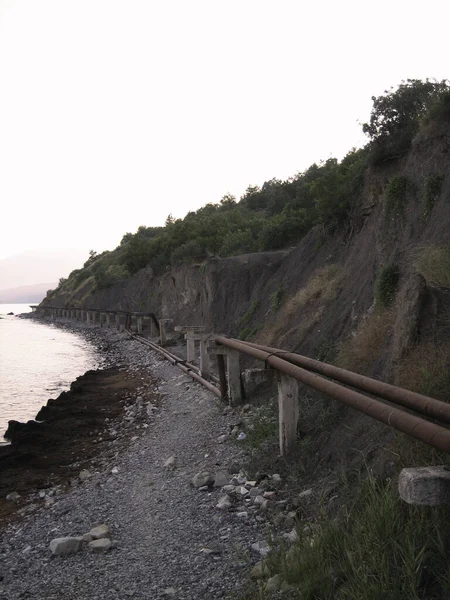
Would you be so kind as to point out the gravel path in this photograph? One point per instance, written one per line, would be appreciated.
(169, 539)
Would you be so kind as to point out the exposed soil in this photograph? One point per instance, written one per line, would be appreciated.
(56, 449)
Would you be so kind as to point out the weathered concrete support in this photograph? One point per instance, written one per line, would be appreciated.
(163, 324)
(108, 320)
(153, 328)
(190, 347)
(139, 325)
(425, 485)
(117, 321)
(234, 377)
(88, 316)
(205, 365)
(287, 412)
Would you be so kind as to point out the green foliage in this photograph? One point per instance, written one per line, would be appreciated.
(380, 547)
(432, 189)
(275, 299)
(326, 351)
(248, 333)
(396, 116)
(386, 286)
(249, 313)
(396, 194)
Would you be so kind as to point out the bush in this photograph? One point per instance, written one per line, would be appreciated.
(386, 286)
(432, 189)
(396, 193)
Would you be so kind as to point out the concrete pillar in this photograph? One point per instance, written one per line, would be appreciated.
(287, 412)
(88, 316)
(139, 325)
(117, 321)
(425, 485)
(108, 320)
(190, 347)
(153, 328)
(234, 377)
(163, 323)
(205, 368)
(94, 317)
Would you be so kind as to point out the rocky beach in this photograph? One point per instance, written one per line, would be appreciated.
(152, 458)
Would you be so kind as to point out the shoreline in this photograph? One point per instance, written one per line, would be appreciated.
(72, 432)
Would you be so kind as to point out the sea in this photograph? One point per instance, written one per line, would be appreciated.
(37, 362)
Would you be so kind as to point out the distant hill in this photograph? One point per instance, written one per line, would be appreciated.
(26, 293)
(34, 266)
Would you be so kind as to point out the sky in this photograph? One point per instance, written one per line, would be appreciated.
(115, 113)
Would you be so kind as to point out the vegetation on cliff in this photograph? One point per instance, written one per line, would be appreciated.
(280, 213)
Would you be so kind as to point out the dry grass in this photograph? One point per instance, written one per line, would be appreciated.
(322, 287)
(433, 263)
(426, 370)
(361, 351)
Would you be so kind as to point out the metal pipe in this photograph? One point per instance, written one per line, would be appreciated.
(416, 427)
(430, 407)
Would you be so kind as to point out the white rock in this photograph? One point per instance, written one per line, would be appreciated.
(171, 462)
(291, 537)
(262, 547)
(65, 545)
(305, 494)
(84, 474)
(13, 497)
(224, 503)
(114, 470)
(101, 545)
(203, 478)
(242, 515)
(99, 532)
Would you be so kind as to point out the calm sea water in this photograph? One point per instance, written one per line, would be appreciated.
(37, 362)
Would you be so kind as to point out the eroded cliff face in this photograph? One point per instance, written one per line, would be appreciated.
(316, 294)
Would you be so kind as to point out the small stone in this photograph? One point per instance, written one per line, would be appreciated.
(101, 545)
(203, 478)
(262, 548)
(273, 584)
(99, 532)
(170, 591)
(170, 463)
(65, 545)
(222, 438)
(246, 408)
(290, 518)
(254, 491)
(228, 489)
(260, 570)
(204, 488)
(224, 503)
(250, 483)
(42, 494)
(242, 491)
(269, 495)
(13, 497)
(84, 474)
(242, 515)
(291, 537)
(305, 494)
(276, 478)
(114, 470)
(87, 537)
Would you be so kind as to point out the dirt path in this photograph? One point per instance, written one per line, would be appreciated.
(170, 540)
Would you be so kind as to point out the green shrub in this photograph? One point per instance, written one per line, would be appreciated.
(396, 193)
(379, 548)
(247, 316)
(386, 286)
(275, 299)
(432, 189)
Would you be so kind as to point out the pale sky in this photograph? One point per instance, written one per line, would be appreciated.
(115, 113)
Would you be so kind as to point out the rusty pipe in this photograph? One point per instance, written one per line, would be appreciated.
(425, 405)
(430, 433)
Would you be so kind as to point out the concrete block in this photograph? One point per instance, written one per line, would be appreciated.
(425, 485)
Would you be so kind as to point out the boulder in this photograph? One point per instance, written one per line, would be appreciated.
(203, 478)
(65, 545)
(102, 545)
(224, 503)
(221, 478)
(100, 532)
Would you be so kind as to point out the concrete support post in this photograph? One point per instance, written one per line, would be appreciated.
(163, 323)
(117, 321)
(88, 317)
(205, 368)
(94, 317)
(234, 377)
(108, 320)
(153, 328)
(139, 325)
(287, 412)
(190, 347)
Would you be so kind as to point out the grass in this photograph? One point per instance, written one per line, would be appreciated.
(432, 190)
(433, 263)
(360, 352)
(275, 299)
(379, 547)
(396, 196)
(321, 288)
(386, 285)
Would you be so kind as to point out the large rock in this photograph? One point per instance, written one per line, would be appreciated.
(100, 532)
(102, 545)
(260, 570)
(65, 545)
(221, 478)
(425, 485)
(203, 478)
(224, 503)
